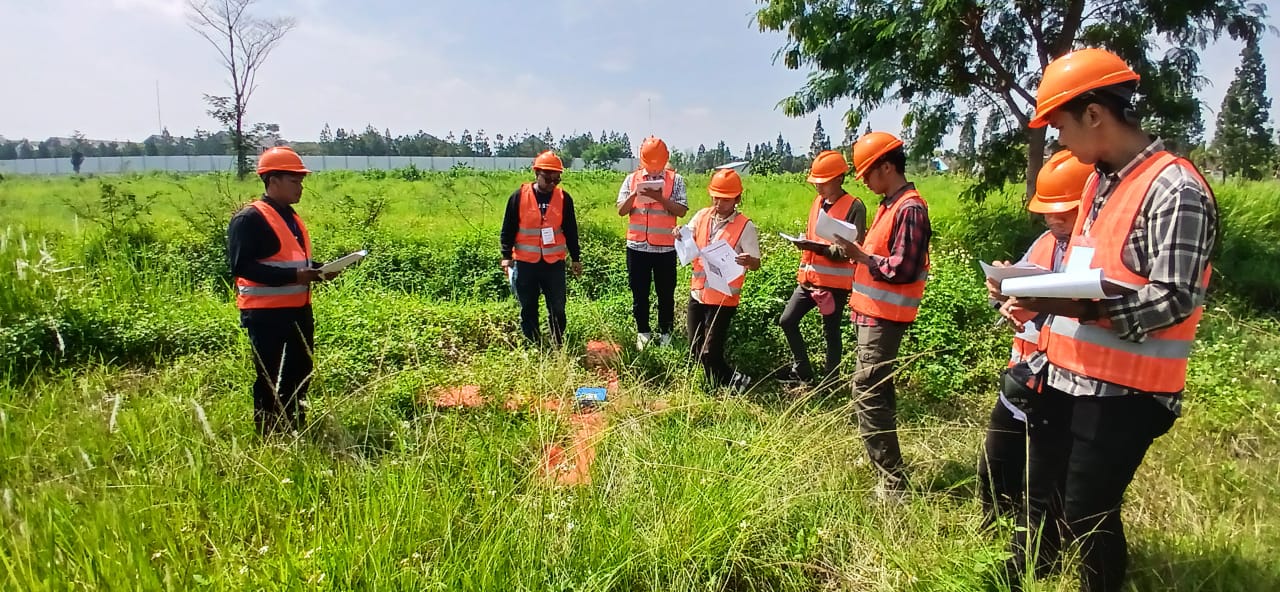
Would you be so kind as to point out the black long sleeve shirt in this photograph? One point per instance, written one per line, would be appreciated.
(251, 239)
(511, 223)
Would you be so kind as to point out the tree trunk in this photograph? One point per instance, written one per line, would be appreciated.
(1035, 159)
(242, 158)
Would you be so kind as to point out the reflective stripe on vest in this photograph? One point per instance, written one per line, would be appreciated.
(1159, 363)
(271, 290)
(883, 300)
(252, 295)
(1027, 342)
(731, 233)
(529, 247)
(649, 222)
(819, 270)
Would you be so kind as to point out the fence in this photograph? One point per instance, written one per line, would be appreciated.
(109, 165)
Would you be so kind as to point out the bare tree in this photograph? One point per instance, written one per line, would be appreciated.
(243, 42)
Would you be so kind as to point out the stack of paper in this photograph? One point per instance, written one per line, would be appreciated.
(1020, 269)
(831, 228)
(343, 262)
(718, 261)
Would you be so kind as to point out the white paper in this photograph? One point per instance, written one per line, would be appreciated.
(1079, 259)
(654, 184)
(1069, 284)
(720, 267)
(830, 228)
(686, 249)
(794, 239)
(1020, 269)
(342, 262)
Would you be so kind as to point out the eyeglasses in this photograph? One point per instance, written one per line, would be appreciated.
(549, 179)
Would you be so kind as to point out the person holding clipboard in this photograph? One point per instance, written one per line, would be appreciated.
(653, 198)
(825, 276)
(269, 252)
(711, 310)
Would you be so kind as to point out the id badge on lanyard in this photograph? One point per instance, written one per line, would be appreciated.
(548, 236)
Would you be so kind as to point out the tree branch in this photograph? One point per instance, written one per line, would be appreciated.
(1071, 22)
(973, 21)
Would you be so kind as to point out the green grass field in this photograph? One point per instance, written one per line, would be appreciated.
(128, 459)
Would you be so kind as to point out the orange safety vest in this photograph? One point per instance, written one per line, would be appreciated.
(1158, 364)
(883, 300)
(731, 233)
(650, 222)
(291, 255)
(529, 246)
(1027, 341)
(819, 270)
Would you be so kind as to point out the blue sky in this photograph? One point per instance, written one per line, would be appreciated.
(502, 66)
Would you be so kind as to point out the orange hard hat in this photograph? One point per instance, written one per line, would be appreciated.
(1075, 74)
(869, 148)
(725, 184)
(654, 154)
(280, 159)
(1060, 184)
(548, 161)
(827, 165)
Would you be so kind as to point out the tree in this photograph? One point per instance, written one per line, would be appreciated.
(603, 155)
(938, 55)
(821, 141)
(243, 42)
(1244, 142)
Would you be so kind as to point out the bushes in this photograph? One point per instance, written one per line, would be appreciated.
(432, 291)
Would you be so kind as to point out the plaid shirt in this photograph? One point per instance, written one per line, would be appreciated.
(1170, 243)
(908, 248)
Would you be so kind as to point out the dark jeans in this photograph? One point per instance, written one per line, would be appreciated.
(660, 270)
(800, 304)
(282, 356)
(1003, 464)
(876, 401)
(1093, 458)
(547, 280)
(708, 333)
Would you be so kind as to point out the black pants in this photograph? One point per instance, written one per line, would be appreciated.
(547, 280)
(1093, 458)
(876, 400)
(282, 356)
(800, 304)
(1003, 464)
(660, 270)
(708, 333)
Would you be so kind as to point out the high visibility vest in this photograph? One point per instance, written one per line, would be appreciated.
(819, 270)
(1027, 341)
(649, 221)
(731, 233)
(529, 247)
(251, 295)
(883, 300)
(1158, 364)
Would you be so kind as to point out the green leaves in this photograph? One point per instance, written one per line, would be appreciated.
(972, 56)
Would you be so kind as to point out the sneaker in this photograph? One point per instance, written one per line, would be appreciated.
(739, 383)
(664, 340)
(643, 340)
